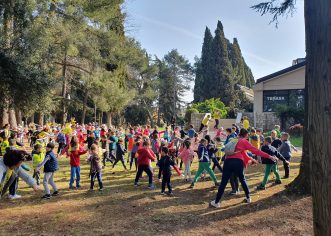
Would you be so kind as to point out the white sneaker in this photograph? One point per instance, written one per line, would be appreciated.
(248, 200)
(13, 197)
(216, 205)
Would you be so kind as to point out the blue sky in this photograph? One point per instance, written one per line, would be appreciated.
(161, 25)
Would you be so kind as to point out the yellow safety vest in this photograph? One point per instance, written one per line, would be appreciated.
(4, 145)
(7, 178)
(37, 159)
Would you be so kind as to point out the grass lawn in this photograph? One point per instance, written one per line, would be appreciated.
(122, 209)
(296, 141)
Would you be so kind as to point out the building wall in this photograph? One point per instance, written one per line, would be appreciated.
(291, 80)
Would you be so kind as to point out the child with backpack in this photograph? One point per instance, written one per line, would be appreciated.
(50, 165)
(270, 164)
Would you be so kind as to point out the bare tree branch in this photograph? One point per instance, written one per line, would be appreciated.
(285, 8)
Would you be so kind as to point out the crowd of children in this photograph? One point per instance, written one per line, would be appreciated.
(170, 149)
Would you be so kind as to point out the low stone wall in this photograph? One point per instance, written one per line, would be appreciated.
(267, 120)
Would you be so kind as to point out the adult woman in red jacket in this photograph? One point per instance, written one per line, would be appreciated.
(235, 164)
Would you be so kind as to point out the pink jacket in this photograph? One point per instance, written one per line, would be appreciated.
(186, 154)
(242, 146)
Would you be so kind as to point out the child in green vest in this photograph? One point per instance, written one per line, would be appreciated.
(37, 158)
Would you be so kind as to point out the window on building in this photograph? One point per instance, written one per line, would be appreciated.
(274, 98)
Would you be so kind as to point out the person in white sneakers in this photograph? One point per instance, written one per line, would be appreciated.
(10, 169)
(236, 163)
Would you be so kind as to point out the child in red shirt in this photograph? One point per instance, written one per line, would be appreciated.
(74, 156)
(144, 156)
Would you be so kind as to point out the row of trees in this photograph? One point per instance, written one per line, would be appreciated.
(220, 68)
(63, 59)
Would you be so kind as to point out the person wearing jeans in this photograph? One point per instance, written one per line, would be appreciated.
(97, 175)
(74, 174)
(235, 164)
(96, 167)
(75, 155)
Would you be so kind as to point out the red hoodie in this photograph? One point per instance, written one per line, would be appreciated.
(242, 146)
(145, 155)
(75, 158)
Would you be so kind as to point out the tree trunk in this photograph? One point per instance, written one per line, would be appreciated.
(302, 183)
(31, 119)
(12, 118)
(41, 119)
(84, 107)
(4, 117)
(18, 117)
(64, 90)
(318, 69)
(109, 119)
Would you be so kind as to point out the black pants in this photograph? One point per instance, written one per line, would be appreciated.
(286, 168)
(217, 164)
(201, 127)
(13, 187)
(216, 123)
(234, 182)
(148, 172)
(60, 148)
(121, 159)
(236, 167)
(36, 176)
(112, 154)
(166, 181)
(133, 159)
(106, 158)
(98, 176)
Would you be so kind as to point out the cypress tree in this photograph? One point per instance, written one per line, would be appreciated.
(241, 72)
(220, 68)
(203, 69)
(222, 84)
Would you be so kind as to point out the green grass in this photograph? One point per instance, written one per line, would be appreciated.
(296, 141)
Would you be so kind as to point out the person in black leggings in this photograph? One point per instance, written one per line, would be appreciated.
(235, 164)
